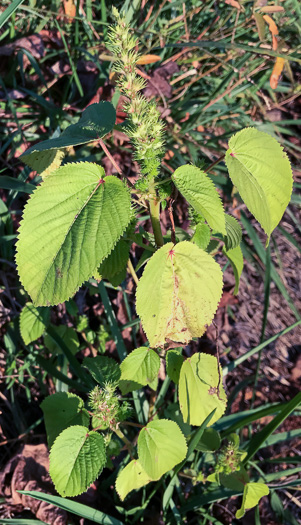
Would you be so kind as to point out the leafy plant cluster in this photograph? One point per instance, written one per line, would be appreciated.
(79, 225)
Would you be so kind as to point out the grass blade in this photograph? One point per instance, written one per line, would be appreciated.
(72, 506)
(258, 439)
(9, 11)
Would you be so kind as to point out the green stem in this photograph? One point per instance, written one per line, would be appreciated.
(128, 444)
(154, 210)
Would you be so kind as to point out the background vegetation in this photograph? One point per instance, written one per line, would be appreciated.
(211, 76)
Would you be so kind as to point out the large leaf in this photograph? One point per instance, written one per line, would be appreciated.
(103, 369)
(199, 190)
(76, 459)
(62, 410)
(142, 366)
(201, 389)
(161, 446)
(253, 492)
(96, 121)
(33, 322)
(178, 293)
(70, 224)
(132, 477)
(261, 172)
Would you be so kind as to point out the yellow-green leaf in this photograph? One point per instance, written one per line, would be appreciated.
(178, 293)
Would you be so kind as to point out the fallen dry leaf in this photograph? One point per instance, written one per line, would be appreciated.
(28, 470)
(276, 73)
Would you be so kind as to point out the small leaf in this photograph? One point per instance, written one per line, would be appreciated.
(70, 224)
(234, 233)
(200, 192)
(62, 410)
(76, 459)
(67, 334)
(33, 322)
(44, 162)
(200, 391)
(161, 446)
(253, 492)
(236, 259)
(210, 440)
(103, 369)
(262, 174)
(201, 236)
(178, 293)
(132, 477)
(96, 121)
(142, 366)
(174, 361)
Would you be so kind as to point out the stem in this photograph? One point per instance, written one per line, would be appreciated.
(132, 271)
(214, 163)
(128, 444)
(154, 210)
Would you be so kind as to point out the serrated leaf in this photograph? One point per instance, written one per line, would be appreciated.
(44, 162)
(161, 446)
(33, 322)
(76, 459)
(236, 480)
(132, 477)
(262, 174)
(70, 224)
(114, 266)
(201, 236)
(103, 369)
(234, 233)
(253, 492)
(96, 121)
(62, 410)
(178, 293)
(174, 361)
(141, 365)
(200, 389)
(200, 192)
(236, 259)
(67, 334)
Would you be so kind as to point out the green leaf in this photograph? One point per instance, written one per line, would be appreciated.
(103, 369)
(161, 446)
(199, 190)
(67, 334)
(253, 492)
(142, 366)
(236, 480)
(201, 236)
(236, 260)
(76, 459)
(262, 174)
(234, 233)
(11, 183)
(61, 410)
(174, 361)
(209, 441)
(132, 477)
(127, 386)
(44, 162)
(199, 389)
(70, 224)
(33, 322)
(114, 266)
(178, 293)
(96, 121)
